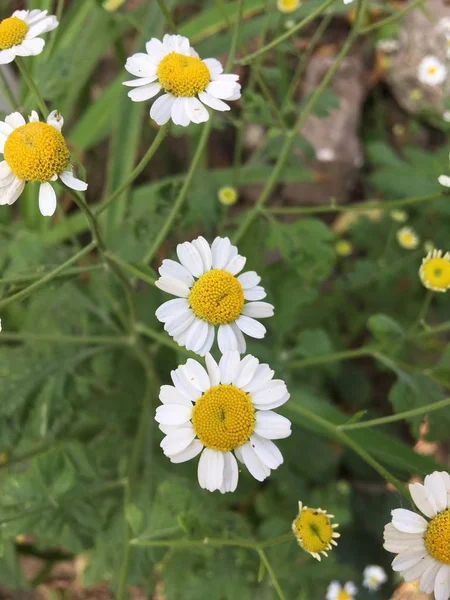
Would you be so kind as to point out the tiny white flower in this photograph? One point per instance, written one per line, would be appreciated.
(422, 545)
(19, 33)
(325, 155)
(224, 412)
(443, 26)
(446, 116)
(34, 151)
(431, 71)
(336, 592)
(407, 238)
(348, 1)
(388, 45)
(209, 295)
(444, 180)
(374, 577)
(189, 83)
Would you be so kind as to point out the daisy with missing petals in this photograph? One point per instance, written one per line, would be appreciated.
(423, 546)
(188, 82)
(34, 151)
(374, 577)
(209, 296)
(434, 271)
(19, 34)
(431, 71)
(222, 409)
(336, 592)
(407, 238)
(314, 531)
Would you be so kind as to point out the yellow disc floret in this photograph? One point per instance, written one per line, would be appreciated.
(223, 418)
(287, 6)
(217, 297)
(314, 531)
(36, 152)
(182, 75)
(435, 271)
(437, 537)
(12, 32)
(343, 595)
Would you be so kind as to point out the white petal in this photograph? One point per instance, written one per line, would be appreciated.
(173, 414)
(256, 467)
(190, 258)
(407, 521)
(168, 394)
(212, 102)
(230, 473)
(195, 110)
(203, 248)
(245, 371)
(406, 560)
(183, 385)
(272, 426)
(428, 578)
(221, 250)
(72, 182)
(213, 370)
(171, 268)
(228, 365)
(396, 541)
(236, 265)
(161, 109)
(177, 442)
(139, 82)
(197, 375)
(140, 65)
(221, 89)
(226, 339)
(266, 451)
(442, 583)
(21, 14)
(176, 324)
(56, 120)
(418, 569)
(34, 117)
(7, 181)
(41, 26)
(262, 376)
(171, 309)
(270, 393)
(258, 310)
(9, 194)
(255, 293)
(194, 448)
(30, 47)
(179, 114)
(240, 340)
(214, 66)
(7, 56)
(197, 335)
(144, 92)
(5, 171)
(6, 129)
(207, 344)
(423, 499)
(436, 485)
(249, 279)
(15, 120)
(251, 327)
(155, 49)
(210, 470)
(173, 286)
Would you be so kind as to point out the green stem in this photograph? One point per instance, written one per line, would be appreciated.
(328, 358)
(271, 572)
(93, 225)
(177, 205)
(7, 90)
(223, 12)
(25, 336)
(424, 310)
(54, 33)
(415, 412)
(237, 543)
(46, 278)
(285, 36)
(267, 94)
(32, 86)
(160, 338)
(68, 272)
(137, 169)
(391, 18)
(131, 269)
(235, 38)
(168, 17)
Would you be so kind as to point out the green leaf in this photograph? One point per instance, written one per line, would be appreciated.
(134, 517)
(385, 328)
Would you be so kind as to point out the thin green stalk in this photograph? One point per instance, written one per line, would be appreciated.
(7, 90)
(32, 86)
(415, 412)
(73, 271)
(177, 205)
(391, 18)
(285, 36)
(271, 572)
(223, 12)
(268, 95)
(160, 338)
(46, 278)
(90, 217)
(424, 310)
(137, 169)
(237, 543)
(133, 270)
(53, 35)
(105, 340)
(328, 358)
(168, 17)
(358, 207)
(350, 443)
(236, 33)
(444, 327)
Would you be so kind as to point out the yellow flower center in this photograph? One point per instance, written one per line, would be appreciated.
(12, 32)
(432, 70)
(437, 537)
(36, 152)
(288, 6)
(343, 595)
(217, 297)
(182, 75)
(228, 195)
(313, 530)
(223, 418)
(436, 273)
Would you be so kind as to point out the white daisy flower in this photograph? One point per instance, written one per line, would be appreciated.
(224, 409)
(443, 26)
(189, 83)
(19, 33)
(336, 592)
(423, 546)
(210, 295)
(407, 238)
(431, 71)
(374, 577)
(37, 152)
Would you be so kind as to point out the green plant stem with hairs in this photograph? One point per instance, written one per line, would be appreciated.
(21, 63)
